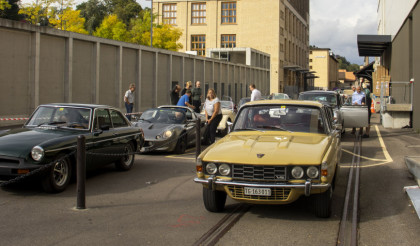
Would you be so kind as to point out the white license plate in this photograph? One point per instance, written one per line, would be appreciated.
(257, 191)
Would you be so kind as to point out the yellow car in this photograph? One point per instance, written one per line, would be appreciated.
(277, 151)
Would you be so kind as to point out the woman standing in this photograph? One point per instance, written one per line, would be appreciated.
(213, 112)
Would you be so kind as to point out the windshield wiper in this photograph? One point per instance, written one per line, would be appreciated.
(248, 129)
(275, 127)
(52, 123)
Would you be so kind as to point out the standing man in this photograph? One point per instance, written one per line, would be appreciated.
(129, 100)
(358, 98)
(255, 94)
(175, 94)
(196, 96)
(368, 99)
(184, 100)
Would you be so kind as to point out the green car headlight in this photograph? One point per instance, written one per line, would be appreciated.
(297, 172)
(224, 169)
(37, 153)
(211, 168)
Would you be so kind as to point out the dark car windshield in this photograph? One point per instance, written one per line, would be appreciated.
(292, 118)
(164, 116)
(320, 97)
(67, 117)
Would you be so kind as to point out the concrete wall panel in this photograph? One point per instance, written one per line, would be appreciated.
(15, 70)
(163, 82)
(52, 69)
(129, 71)
(177, 70)
(416, 66)
(147, 95)
(188, 69)
(199, 70)
(108, 89)
(83, 72)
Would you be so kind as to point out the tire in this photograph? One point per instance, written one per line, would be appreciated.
(126, 162)
(181, 145)
(323, 203)
(58, 176)
(214, 200)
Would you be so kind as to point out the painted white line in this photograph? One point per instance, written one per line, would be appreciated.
(381, 141)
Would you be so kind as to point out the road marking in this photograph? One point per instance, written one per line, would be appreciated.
(387, 159)
(381, 141)
(180, 156)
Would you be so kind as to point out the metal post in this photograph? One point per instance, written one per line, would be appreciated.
(81, 172)
(151, 24)
(197, 138)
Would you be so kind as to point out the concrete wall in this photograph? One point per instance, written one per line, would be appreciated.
(403, 61)
(44, 65)
(416, 65)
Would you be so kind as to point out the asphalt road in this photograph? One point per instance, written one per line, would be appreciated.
(157, 203)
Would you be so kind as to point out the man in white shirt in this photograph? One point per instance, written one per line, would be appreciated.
(129, 100)
(255, 94)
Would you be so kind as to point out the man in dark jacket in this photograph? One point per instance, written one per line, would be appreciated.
(175, 94)
(196, 97)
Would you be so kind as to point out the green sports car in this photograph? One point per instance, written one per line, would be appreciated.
(51, 134)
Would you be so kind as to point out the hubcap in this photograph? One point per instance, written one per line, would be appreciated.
(127, 158)
(60, 172)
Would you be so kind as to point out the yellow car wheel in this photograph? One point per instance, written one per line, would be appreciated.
(214, 200)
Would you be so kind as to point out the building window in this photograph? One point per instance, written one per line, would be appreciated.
(198, 43)
(198, 13)
(228, 12)
(228, 41)
(282, 14)
(281, 31)
(169, 14)
(281, 48)
(310, 60)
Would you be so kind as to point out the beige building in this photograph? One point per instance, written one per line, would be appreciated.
(276, 27)
(325, 66)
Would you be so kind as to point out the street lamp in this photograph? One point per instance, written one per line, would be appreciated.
(151, 23)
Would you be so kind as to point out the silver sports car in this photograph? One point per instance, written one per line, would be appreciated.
(169, 128)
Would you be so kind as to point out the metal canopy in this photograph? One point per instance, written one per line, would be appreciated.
(373, 45)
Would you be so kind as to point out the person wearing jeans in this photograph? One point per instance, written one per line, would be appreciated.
(213, 112)
(129, 100)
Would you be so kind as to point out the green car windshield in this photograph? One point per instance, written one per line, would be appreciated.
(61, 117)
(292, 118)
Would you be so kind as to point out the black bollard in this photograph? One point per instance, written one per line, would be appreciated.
(198, 138)
(81, 172)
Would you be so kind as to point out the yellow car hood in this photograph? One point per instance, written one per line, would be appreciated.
(269, 148)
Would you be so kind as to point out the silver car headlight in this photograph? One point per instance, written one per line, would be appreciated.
(37, 153)
(211, 168)
(224, 169)
(297, 172)
(312, 172)
(167, 134)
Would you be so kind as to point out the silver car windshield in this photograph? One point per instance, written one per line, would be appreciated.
(330, 99)
(280, 118)
(164, 116)
(61, 117)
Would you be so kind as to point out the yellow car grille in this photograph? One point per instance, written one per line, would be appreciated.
(277, 194)
(254, 172)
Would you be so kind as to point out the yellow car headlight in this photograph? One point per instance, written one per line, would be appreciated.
(211, 168)
(224, 169)
(297, 172)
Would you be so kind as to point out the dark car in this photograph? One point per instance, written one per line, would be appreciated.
(331, 98)
(169, 128)
(51, 134)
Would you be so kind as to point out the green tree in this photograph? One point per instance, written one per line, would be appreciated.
(112, 28)
(166, 37)
(69, 20)
(94, 11)
(124, 9)
(9, 9)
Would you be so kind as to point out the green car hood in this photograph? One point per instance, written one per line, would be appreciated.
(19, 142)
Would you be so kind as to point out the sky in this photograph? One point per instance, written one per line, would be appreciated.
(334, 24)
